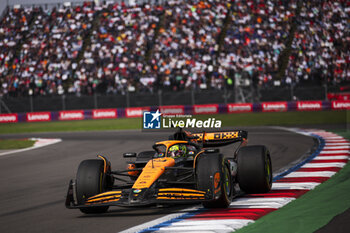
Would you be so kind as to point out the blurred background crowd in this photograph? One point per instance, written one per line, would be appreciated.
(321, 45)
(111, 48)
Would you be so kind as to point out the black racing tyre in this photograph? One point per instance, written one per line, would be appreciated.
(254, 172)
(90, 181)
(207, 166)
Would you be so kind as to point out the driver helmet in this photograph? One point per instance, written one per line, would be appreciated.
(177, 151)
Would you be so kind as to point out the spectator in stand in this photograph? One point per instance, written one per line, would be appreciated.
(256, 38)
(321, 46)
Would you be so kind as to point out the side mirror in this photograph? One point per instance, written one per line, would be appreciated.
(212, 150)
(129, 155)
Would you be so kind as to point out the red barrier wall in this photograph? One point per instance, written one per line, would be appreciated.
(176, 110)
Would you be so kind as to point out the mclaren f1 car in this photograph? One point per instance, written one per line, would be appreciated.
(187, 168)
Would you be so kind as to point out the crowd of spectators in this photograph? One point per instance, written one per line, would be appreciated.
(321, 46)
(115, 59)
(179, 45)
(256, 38)
(48, 55)
(13, 28)
(184, 55)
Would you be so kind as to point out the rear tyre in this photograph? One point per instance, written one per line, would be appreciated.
(254, 173)
(90, 181)
(212, 167)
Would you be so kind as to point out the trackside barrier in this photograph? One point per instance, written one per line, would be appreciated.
(282, 106)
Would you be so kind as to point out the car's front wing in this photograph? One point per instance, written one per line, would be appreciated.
(138, 197)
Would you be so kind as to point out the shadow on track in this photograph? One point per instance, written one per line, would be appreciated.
(141, 211)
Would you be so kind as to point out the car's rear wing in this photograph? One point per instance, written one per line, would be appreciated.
(222, 138)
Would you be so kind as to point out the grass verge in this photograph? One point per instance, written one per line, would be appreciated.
(311, 211)
(62, 126)
(9, 144)
(241, 119)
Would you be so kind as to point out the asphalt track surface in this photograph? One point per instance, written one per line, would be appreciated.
(339, 224)
(33, 184)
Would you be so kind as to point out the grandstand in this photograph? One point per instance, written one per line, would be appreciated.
(320, 48)
(227, 50)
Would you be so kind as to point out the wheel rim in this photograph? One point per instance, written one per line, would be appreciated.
(227, 182)
(268, 170)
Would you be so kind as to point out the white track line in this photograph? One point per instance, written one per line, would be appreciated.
(335, 151)
(246, 202)
(336, 141)
(336, 164)
(300, 186)
(234, 224)
(330, 137)
(159, 220)
(331, 157)
(337, 144)
(211, 222)
(218, 228)
(310, 174)
(336, 147)
(39, 142)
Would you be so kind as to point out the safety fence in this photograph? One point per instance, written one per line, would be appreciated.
(47, 103)
(112, 113)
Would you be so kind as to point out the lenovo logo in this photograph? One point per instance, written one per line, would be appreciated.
(104, 113)
(311, 105)
(7, 118)
(274, 107)
(340, 104)
(135, 112)
(239, 108)
(172, 110)
(38, 116)
(71, 115)
(205, 109)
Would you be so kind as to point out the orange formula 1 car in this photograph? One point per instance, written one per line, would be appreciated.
(187, 168)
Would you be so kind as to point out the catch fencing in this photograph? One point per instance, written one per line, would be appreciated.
(10, 104)
(130, 112)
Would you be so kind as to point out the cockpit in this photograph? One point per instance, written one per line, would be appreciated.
(175, 149)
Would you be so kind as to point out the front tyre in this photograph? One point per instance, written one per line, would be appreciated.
(254, 172)
(213, 175)
(90, 181)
